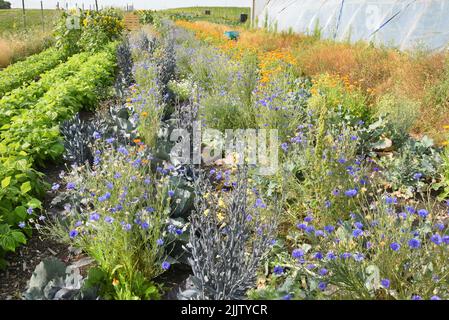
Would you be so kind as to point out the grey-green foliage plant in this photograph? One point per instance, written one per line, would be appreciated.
(414, 157)
(226, 252)
(53, 280)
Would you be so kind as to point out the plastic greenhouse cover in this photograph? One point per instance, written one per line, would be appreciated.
(405, 24)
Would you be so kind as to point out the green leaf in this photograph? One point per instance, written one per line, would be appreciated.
(19, 237)
(6, 182)
(26, 187)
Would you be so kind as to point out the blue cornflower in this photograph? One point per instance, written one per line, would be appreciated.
(385, 283)
(318, 255)
(417, 176)
(297, 253)
(416, 297)
(70, 186)
(358, 225)
(94, 216)
(410, 209)
(357, 233)
(110, 140)
(322, 286)
(359, 257)
(327, 204)
(123, 150)
(287, 297)
(391, 200)
(165, 265)
(395, 246)
(435, 298)
(259, 204)
(331, 256)
(30, 210)
(308, 218)
(110, 185)
(117, 175)
(171, 193)
(55, 186)
(160, 242)
(335, 192)
(351, 193)
(446, 239)
(179, 232)
(439, 226)
(319, 233)
(145, 225)
(284, 146)
(323, 271)
(402, 215)
(73, 233)
(310, 229)
(109, 219)
(22, 225)
(423, 213)
(127, 227)
(436, 238)
(96, 135)
(329, 228)
(346, 255)
(414, 243)
(301, 226)
(278, 270)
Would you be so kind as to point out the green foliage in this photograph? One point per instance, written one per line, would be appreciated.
(23, 72)
(87, 30)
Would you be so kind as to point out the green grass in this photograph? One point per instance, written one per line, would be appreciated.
(226, 15)
(11, 21)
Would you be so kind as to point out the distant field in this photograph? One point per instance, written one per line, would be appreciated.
(227, 15)
(12, 21)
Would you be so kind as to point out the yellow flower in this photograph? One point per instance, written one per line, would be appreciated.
(115, 282)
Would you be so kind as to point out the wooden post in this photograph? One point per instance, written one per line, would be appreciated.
(24, 15)
(253, 13)
(96, 5)
(42, 16)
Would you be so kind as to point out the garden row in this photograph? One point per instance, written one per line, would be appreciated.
(335, 221)
(30, 118)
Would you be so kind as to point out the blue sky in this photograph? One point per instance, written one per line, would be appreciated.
(138, 4)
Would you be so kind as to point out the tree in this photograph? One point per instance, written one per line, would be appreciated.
(5, 4)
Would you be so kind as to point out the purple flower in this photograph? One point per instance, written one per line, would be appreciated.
(435, 298)
(109, 219)
(165, 265)
(331, 256)
(336, 192)
(351, 193)
(30, 210)
(329, 229)
(414, 243)
(123, 150)
(171, 193)
(117, 175)
(301, 226)
(417, 176)
(323, 271)
(127, 227)
(179, 232)
(319, 233)
(110, 140)
(145, 225)
(385, 283)
(436, 238)
(110, 185)
(287, 297)
(318, 255)
(310, 229)
(42, 218)
(94, 216)
(359, 257)
(297, 253)
(416, 297)
(402, 215)
(278, 270)
(322, 286)
(357, 233)
(55, 187)
(395, 246)
(96, 135)
(160, 242)
(70, 186)
(73, 233)
(410, 209)
(358, 225)
(446, 239)
(346, 255)
(391, 200)
(439, 226)
(22, 225)
(259, 204)
(308, 218)
(423, 213)
(284, 146)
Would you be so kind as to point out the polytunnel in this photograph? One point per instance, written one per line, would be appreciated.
(405, 24)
